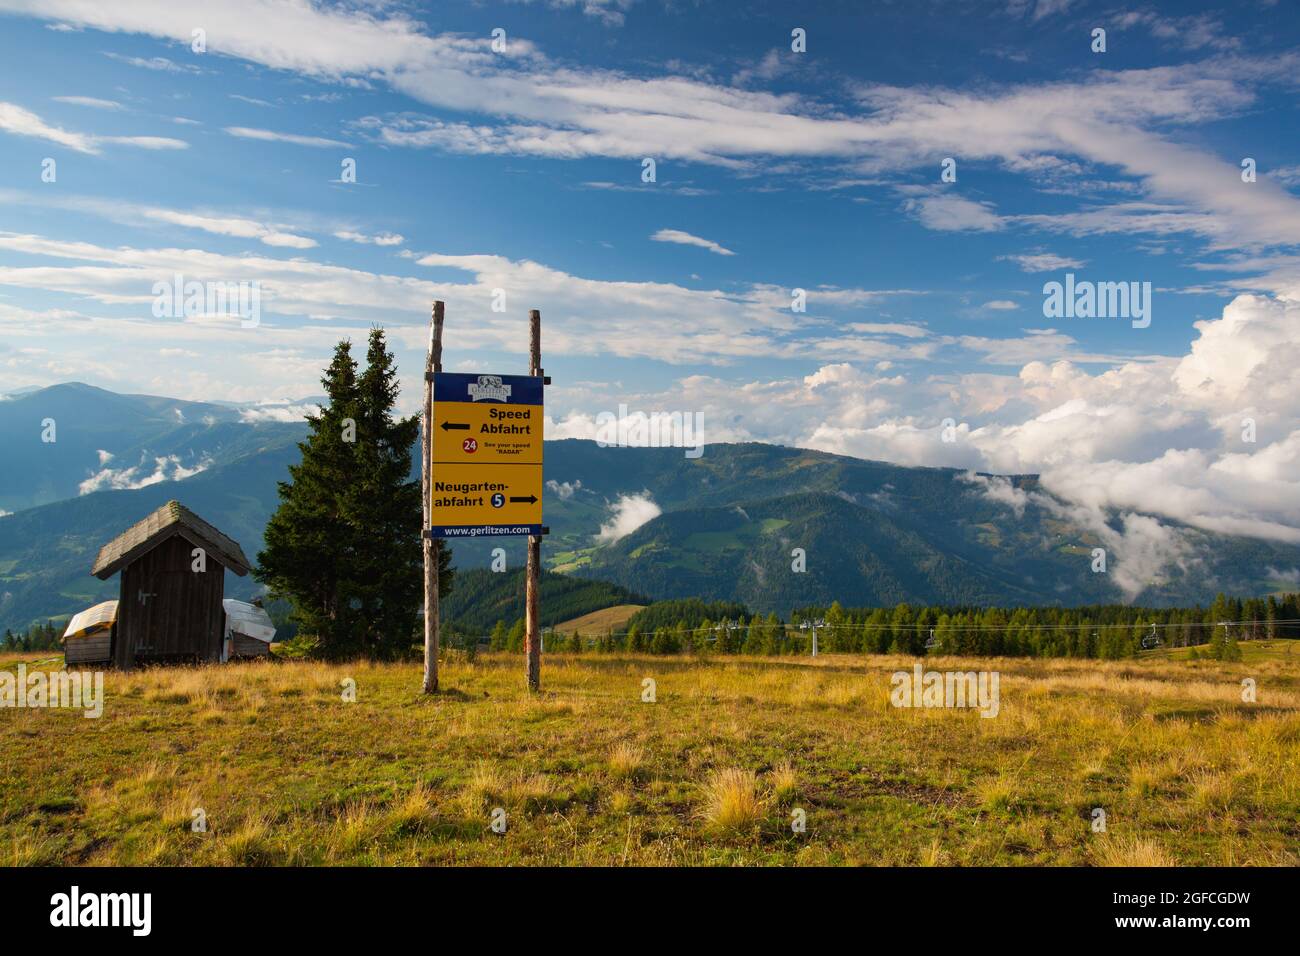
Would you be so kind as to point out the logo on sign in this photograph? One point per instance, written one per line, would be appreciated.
(489, 389)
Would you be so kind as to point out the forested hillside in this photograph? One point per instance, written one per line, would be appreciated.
(482, 597)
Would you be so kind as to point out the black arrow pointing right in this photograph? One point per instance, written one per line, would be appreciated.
(455, 426)
(531, 499)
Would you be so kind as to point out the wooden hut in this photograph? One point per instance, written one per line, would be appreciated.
(167, 610)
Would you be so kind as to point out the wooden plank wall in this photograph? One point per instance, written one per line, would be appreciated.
(168, 611)
(93, 648)
(250, 647)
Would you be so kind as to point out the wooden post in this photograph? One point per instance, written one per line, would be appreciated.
(432, 547)
(532, 589)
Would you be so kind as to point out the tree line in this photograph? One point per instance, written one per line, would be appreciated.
(38, 637)
(1109, 632)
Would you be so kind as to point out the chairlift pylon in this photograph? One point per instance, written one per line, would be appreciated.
(807, 625)
(1151, 640)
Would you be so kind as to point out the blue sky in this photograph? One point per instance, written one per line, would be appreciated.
(521, 170)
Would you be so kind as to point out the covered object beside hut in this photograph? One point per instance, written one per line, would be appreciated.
(89, 635)
(249, 631)
(173, 566)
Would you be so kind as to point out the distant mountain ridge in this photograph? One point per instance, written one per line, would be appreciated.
(110, 440)
(870, 533)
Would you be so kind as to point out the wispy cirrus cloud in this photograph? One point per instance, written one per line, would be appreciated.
(378, 239)
(686, 239)
(630, 319)
(93, 102)
(1043, 261)
(156, 63)
(272, 136)
(23, 122)
(1191, 32)
(137, 214)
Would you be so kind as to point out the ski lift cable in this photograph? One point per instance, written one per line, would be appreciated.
(999, 627)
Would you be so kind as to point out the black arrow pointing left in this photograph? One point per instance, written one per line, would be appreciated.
(455, 426)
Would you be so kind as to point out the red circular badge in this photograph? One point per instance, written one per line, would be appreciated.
(470, 445)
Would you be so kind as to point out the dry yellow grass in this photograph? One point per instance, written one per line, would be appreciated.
(783, 780)
(597, 623)
(1131, 851)
(288, 772)
(626, 759)
(730, 800)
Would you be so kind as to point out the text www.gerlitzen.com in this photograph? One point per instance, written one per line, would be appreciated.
(478, 532)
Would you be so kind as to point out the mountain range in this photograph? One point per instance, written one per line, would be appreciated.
(734, 524)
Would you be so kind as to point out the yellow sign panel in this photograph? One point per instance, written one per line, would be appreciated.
(488, 432)
(487, 455)
(487, 497)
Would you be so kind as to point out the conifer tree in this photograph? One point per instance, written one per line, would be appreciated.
(384, 509)
(515, 639)
(307, 534)
(343, 546)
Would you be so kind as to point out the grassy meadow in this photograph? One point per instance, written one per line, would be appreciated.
(605, 621)
(287, 772)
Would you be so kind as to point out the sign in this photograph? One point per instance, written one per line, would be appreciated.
(487, 455)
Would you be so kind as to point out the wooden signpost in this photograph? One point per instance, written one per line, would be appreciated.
(482, 475)
(432, 546)
(532, 587)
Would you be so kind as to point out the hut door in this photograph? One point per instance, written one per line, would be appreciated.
(162, 595)
(146, 597)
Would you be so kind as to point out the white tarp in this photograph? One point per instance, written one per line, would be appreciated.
(248, 620)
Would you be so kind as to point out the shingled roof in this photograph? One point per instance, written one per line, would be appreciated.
(171, 519)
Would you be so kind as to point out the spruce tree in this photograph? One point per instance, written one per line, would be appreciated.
(343, 546)
(307, 537)
(384, 508)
